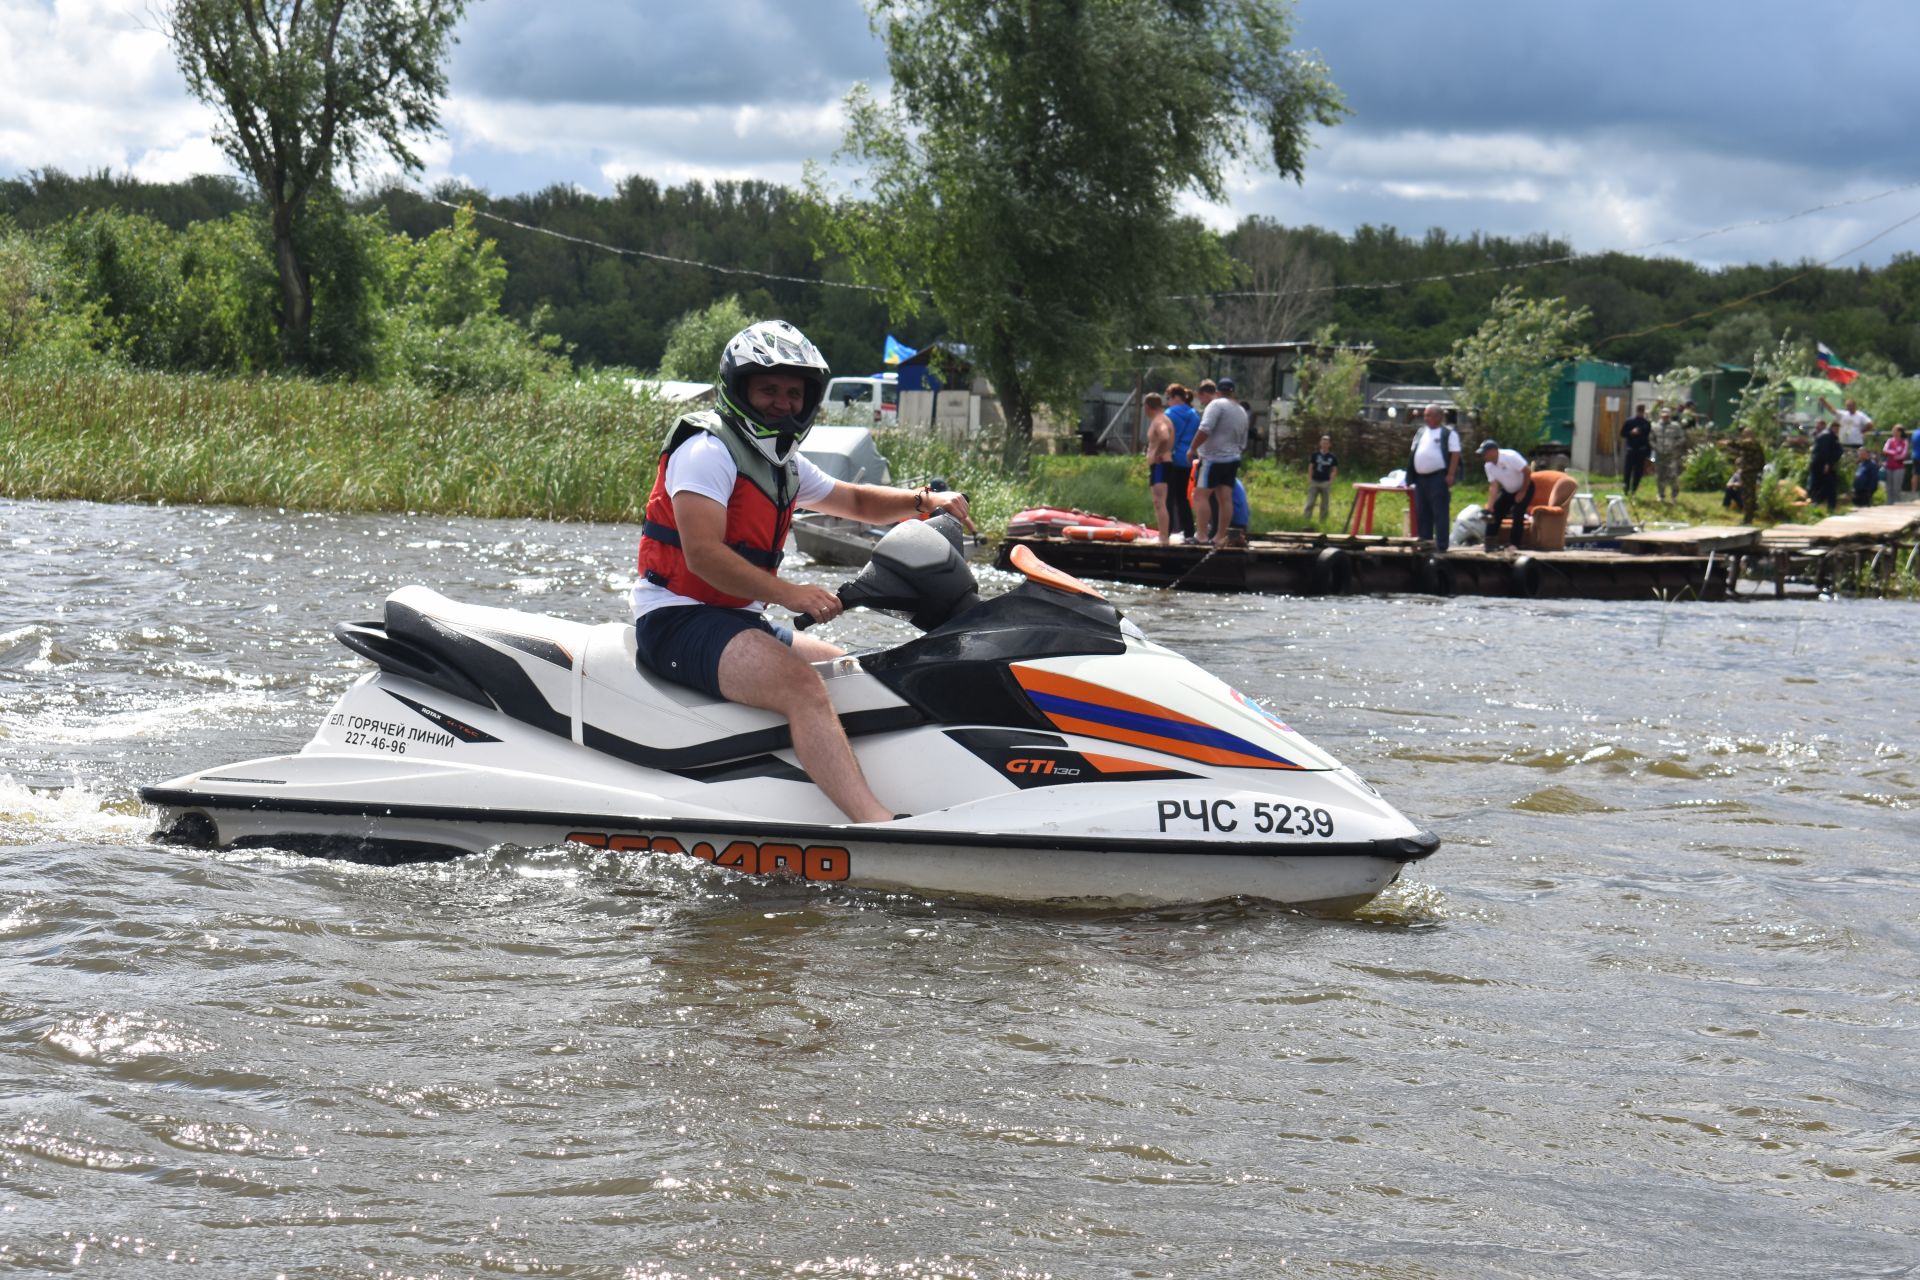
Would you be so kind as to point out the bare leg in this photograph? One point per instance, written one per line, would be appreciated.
(1220, 500)
(759, 671)
(1202, 514)
(1160, 510)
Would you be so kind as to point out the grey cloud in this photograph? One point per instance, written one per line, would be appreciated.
(1614, 191)
(666, 52)
(1829, 85)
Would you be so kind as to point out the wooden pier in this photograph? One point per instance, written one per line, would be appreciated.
(1861, 548)
(1665, 568)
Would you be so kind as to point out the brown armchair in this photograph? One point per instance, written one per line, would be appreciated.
(1547, 511)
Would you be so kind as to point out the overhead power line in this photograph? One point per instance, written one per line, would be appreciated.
(651, 256)
(1557, 260)
(1561, 259)
(1713, 310)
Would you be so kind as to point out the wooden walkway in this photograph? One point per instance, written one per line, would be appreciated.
(1698, 540)
(1861, 546)
(1891, 525)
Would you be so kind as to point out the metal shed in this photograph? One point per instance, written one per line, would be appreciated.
(1585, 411)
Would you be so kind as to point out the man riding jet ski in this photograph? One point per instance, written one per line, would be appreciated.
(716, 525)
(1047, 750)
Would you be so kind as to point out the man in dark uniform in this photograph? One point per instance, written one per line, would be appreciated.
(1823, 467)
(1637, 434)
(1749, 460)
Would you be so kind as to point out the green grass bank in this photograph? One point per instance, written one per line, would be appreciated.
(577, 450)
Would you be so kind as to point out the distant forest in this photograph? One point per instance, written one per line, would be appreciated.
(617, 309)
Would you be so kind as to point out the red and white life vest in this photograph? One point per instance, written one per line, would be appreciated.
(758, 513)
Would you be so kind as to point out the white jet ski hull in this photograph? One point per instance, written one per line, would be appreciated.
(1044, 750)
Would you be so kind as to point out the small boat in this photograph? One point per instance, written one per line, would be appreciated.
(849, 544)
(833, 540)
(1071, 522)
(849, 454)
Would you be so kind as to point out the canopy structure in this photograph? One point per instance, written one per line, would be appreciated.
(1285, 356)
(1253, 350)
(1800, 399)
(928, 368)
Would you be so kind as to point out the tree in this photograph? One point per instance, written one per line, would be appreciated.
(443, 328)
(47, 321)
(1281, 288)
(1034, 171)
(303, 88)
(699, 337)
(1507, 368)
(1770, 365)
(1332, 384)
(1730, 340)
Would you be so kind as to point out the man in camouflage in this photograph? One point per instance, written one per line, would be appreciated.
(1669, 453)
(1749, 460)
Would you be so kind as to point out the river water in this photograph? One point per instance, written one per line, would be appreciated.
(1650, 1011)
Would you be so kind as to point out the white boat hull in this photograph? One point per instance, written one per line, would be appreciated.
(1021, 867)
(1121, 774)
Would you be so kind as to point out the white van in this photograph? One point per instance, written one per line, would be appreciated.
(849, 398)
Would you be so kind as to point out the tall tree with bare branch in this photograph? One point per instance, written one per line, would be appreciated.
(1280, 290)
(305, 87)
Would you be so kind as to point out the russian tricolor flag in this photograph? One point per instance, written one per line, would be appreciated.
(1830, 365)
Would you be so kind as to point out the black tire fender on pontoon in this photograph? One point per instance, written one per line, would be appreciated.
(1332, 573)
(1526, 578)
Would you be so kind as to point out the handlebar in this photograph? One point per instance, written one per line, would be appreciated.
(919, 585)
(801, 621)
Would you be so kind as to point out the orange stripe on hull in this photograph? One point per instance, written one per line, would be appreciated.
(1167, 746)
(1081, 691)
(1115, 764)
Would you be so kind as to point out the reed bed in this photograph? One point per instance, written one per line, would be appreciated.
(583, 451)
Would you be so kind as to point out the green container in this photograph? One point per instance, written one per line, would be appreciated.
(1560, 402)
(1717, 393)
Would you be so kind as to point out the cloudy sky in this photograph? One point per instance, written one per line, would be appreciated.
(1618, 124)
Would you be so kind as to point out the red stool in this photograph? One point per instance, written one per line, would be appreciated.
(1360, 516)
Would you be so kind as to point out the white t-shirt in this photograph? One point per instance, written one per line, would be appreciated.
(1853, 427)
(702, 465)
(1509, 468)
(1428, 456)
(1225, 423)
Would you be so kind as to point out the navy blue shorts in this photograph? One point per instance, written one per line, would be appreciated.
(1157, 472)
(683, 642)
(1215, 475)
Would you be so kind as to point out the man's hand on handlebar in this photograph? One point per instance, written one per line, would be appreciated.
(818, 603)
(953, 504)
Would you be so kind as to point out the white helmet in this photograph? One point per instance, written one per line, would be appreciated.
(771, 346)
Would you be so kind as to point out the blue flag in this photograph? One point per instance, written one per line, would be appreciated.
(896, 350)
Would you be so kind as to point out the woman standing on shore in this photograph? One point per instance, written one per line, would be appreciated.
(1186, 422)
(1894, 468)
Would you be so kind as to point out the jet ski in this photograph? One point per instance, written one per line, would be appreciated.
(1044, 748)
